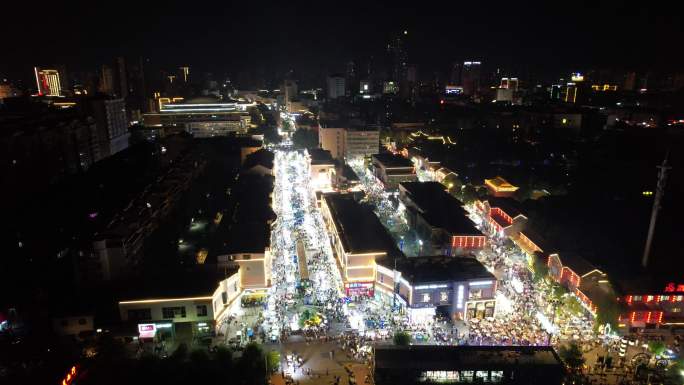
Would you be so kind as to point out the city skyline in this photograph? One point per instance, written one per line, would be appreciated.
(282, 37)
(342, 193)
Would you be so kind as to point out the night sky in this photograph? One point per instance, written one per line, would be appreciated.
(307, 36)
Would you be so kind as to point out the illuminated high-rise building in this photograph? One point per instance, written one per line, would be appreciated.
(336, 86)
(470, 77)
(571, 93)
(47, 82)
(509, 84)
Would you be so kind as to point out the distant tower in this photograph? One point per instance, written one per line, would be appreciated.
(660, 190)
(47, 82)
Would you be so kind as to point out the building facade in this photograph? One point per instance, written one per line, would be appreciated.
(440, 219)
(336, 86)
(393, 169)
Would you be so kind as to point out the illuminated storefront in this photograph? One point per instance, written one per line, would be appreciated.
(356, 289)
(461, 286)
(663, 307)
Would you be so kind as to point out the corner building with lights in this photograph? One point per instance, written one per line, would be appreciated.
(372, 266)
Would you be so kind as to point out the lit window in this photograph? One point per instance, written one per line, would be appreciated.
(676, 310)
(496, 376)
(649, 298)
(443, 296)
(481, 375)
(637, 298)
(426, 297)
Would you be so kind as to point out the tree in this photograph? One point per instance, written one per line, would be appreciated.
(572, 356)
(657, 348)
(253, 364)
(558, 291)
(305, 139)
(402, 339)
(468, 194)
(181, 352)
(273, 361)
(198, 356)
(608, 311)
(271, 135)
(540, 269)
(572, 305)
(223, 356)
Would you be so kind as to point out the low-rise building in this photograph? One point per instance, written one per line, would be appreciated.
(440, 219)
(248, 233)
(461, 286)
(345, 179)
(647, 304)
(182, 310)
(349, 143)
(419, 364)
(321, 168)
(74, 325)
(499, 187)
(504, 218)
(202, 117)
(248, 246)
(581, 278)
(358, 238)
(393, 169)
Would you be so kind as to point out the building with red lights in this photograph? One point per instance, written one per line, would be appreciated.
(530, 242)
(440, 218)
(581, 278)
(503, 216)
(649, 306)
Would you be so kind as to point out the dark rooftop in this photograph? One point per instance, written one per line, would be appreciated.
(439, 208)
(320, 156)
(261, 157)
(252, 199)
(430, 357)
(391, 160)
(537, 239)
(578, 264)
(196, 282)
(358, 227)
(251, 237)
(441, 268)
(348, 173)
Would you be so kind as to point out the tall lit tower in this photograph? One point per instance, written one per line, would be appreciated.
(47, 82)
(660, 190)
(185, 71)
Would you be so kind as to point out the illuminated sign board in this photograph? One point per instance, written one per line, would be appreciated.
(577, 77)
(480, 283)
(442, 286)
(147, 330)
(459, 297)
(671, 288)
(453, 90)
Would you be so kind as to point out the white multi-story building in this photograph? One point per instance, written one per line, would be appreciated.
(336, 86)
(347, 143)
